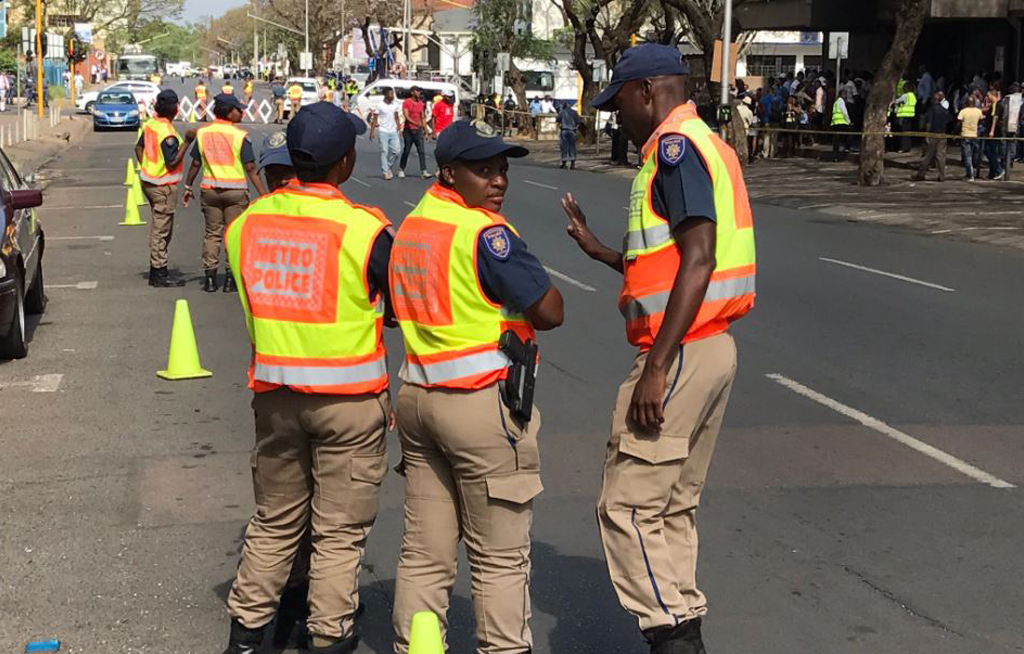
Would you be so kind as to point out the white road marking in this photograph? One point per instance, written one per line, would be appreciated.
(999, 228)
(877, 425)
(547, 186)
(569, 280)
(89, 206)
(80, 286)
(411, 204)
(902, 278)
(79, 238)
(37, 384)
(359, 181)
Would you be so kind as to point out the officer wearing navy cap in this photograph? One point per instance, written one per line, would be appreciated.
(311, 268)
(275, 162)
(225, 154)
(688, 272)
(461, 277)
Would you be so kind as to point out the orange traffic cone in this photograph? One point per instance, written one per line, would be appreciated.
(183, 356)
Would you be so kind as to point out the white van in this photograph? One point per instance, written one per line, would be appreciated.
(369, 96)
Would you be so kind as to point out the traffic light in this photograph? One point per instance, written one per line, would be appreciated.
(75, 51)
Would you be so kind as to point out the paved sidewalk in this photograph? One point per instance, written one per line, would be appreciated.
(984, 211)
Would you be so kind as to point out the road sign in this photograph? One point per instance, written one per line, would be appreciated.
(503, 62)
(839, 45)
(305, 60)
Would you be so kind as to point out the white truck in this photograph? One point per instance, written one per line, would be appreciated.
(179, 69)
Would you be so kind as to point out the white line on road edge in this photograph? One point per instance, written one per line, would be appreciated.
(569, 280)
(411, 204)
(877, 425)
(38, 383)
(902, 278)
(90, 206)
(79, 238)
(80, 286)
(547, 186)
(359, 181)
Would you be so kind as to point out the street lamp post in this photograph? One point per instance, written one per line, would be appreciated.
(307, 57)
(726, 51)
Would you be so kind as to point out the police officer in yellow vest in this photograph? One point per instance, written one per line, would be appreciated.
(160, 152)
(841, 123)
(906, 111)
(225, 154)
(295, 98)
(461, 277)
(688, 273)
(202, 108)
(311, 267)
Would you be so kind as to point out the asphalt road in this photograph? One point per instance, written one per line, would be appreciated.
(858, 500)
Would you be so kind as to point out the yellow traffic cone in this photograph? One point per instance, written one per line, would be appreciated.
(425, 634)
(192, 115)
(129, 174)
(183, 357)
(131, 209)
(140, 197)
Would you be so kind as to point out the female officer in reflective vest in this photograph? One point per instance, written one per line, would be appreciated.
(688, 273)
(460, 277)
(311, 268)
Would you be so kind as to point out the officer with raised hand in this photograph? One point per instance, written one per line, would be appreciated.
(468, 296)
(688, 269)
(311, 268)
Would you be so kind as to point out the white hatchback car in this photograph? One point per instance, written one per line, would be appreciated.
(144, 92)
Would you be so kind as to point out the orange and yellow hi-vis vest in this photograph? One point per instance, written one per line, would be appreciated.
(299, 256)
(651, 256)
(220, 145)
(154, 168)
(451, 328)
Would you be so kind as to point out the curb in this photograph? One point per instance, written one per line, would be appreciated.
(29, 156)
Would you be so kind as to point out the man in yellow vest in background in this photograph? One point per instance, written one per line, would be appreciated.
(247, 91)
(226, 157)
(295, 98)
(160, 152)
(841, 123)
(311, 268)
(227, 88)
(688, 273)
(906, 112)
(202, 109)
(463, 286)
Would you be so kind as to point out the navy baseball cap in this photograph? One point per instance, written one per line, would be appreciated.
(275, 151)
(167, 96)
(473, 141)
(322, 133)
(228, 100)
(641, 62)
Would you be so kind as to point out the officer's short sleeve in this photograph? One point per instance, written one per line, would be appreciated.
(682, 186)
(377, 269)
(194, 152)
(141, 143)
(509, 274)
(247, 155)
(169, 148)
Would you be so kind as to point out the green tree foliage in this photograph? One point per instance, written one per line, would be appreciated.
(502, 27)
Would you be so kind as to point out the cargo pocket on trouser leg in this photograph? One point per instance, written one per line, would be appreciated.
(367, 474)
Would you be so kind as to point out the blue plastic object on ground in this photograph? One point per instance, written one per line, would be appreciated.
(51, 645)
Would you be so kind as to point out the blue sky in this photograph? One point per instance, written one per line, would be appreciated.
(196, 9)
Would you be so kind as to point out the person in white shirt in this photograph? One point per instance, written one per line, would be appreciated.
(5, 87)
(547, 106)
(1013, 107)
(386, 118)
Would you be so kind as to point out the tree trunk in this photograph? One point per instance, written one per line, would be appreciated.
(518, 84)
(910, 15)
(736, 135)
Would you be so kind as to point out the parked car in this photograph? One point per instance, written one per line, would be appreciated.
(21, 260)
(116, 109)
(144, 92)
(310, 92)
(369, 96)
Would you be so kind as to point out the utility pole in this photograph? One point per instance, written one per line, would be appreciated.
(256, 46)
(39, 57)
(407, 25)
(724, 108)
(307, 56)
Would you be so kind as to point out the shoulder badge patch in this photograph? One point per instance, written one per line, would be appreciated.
(277, 139)
(672, 149)
(497, 242)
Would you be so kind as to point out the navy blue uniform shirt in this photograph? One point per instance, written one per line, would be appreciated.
(509, 274)
(682, 186)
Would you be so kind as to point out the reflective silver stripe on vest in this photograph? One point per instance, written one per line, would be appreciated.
(655, 303)
(166, 180)
(320, 375)
(642, 239)
(220, 183)
(444, 371)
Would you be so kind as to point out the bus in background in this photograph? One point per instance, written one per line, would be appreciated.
(137, 67)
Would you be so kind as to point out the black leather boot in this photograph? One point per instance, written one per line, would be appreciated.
(244, 640)
(229, 283)
(682, 639)
(210, 285)
(346, 646)
(160, 278)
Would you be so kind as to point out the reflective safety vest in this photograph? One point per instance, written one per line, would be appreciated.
(201, 92)
(299, 256)
(220, 145)
(651, 257)
(154, 169)
(247, 89)
(294, 92)
(838, 118)
(451, 328)
(227, 88)
(909, 107)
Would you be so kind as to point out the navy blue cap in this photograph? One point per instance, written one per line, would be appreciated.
(275, 151)
(228, 100)
(167, 96)
(641, 62)
(322, 133)
(473, 141)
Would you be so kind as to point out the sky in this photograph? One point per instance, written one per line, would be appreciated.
(196, 9)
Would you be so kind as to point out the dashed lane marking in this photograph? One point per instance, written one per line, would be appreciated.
(877, 425)
(569, 280)
(359, 181)
(902, 278)
(547, 186)
(79, 238)
(80, 286)
(37, 384)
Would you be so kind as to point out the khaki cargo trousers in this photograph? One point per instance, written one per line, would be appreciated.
(162, 200)
(652, 485)
(220, 207)
(318, 459)
(471, 474)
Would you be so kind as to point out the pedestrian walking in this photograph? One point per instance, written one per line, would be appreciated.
(295, 98)
(970, 145)
(224, 153)
(443, 112)
(840, 124)
(1011, 125)
(319, 379)
(200, 96)
(749, 121)
(5, 89)
(277, 92)
(936, 121)
(688, 273)
(468, 296)
(413, 132)
(386, 121)
(992, 126)
(247, 91)
(160, 151)
(568, 123)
